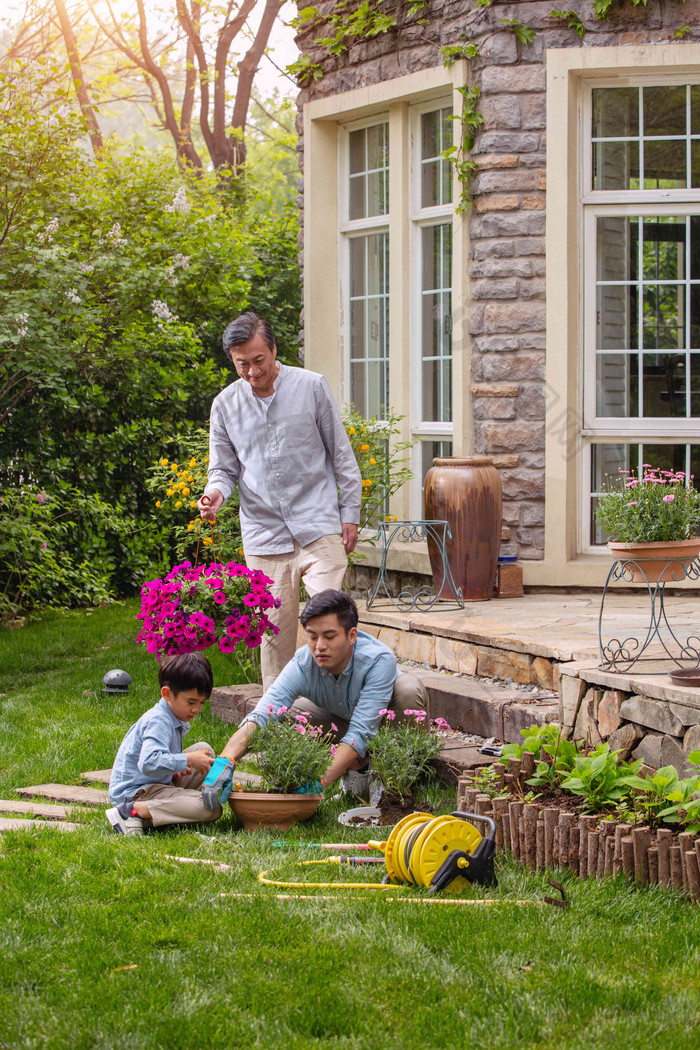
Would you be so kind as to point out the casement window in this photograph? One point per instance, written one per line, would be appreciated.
(641, 272)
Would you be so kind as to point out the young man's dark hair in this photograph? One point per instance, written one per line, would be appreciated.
(331, 601)
(242, 329)
(186, 671)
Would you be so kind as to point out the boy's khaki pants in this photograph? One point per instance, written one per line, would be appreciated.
(179, 803)
(320, 565)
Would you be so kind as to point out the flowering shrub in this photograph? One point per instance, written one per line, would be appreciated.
(380, 459)
(662, 505)
(402, 754)
(291, 753)
(194, 607)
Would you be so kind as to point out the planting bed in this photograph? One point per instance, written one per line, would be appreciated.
(553, 832)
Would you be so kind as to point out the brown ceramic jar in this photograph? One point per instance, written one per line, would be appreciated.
(467, 494)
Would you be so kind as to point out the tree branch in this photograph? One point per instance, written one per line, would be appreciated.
(247, 68)
(77, 76)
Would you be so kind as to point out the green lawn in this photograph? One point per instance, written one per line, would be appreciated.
(620, 969)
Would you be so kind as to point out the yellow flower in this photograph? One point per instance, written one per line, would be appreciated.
(163, 462)
(366, 482)
(179, 503)
(193, 504)
(193, 462)
(173, 466)
(364, 448)
(157, 503)
(170, 492)
(185, 492)
(190, 527)
(372, 461)
(391, 517)
(241, 551)
(207, 541)
(351, 430)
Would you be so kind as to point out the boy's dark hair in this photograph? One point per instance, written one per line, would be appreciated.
(186, 671)
(242, 329)
(331, 601)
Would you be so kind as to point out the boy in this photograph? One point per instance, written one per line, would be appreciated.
(153, 781)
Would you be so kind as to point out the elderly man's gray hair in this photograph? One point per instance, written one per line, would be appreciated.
(243, 328)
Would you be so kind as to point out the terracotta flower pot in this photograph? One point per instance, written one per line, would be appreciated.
(267, 809)
(467, 494)
(663, 570)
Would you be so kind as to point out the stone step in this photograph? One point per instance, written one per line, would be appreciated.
(483, 708)
(66, 793)
(36, 809)
(231, 703)
(97, 776)
(8, 824)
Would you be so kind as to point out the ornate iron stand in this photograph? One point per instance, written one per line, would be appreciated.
(622, 654)
(410, 598)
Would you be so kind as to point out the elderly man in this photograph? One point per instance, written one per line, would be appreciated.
(277, 433)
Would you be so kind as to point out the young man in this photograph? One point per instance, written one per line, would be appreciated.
(276, 433)
(342, 678)
(154, 781)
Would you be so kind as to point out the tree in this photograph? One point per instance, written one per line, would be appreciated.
(186, 54)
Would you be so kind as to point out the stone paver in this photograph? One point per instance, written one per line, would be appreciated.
(36, 809)
(65, 793)
(97, 776)
(8, 824)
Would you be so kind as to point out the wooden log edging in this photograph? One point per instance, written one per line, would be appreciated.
(542, 837)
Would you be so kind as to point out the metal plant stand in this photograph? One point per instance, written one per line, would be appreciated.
(622, 654)
(414, 598)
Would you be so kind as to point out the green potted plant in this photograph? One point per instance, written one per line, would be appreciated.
(292, 755)
(655, 516)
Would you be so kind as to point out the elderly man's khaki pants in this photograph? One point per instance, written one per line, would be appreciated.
(320, 565)
(179, 803)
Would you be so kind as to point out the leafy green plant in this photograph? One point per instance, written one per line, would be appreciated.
(598, 778)
(524, 34)
(304, 70)
(469, 120)
(685, 796)
(380, 458)
(534, 739)
(550, 772)
(451, 52)
(572, 20)
(401, 755)
(291, 753)
(682, 32)
(649, 795)
(661, 505)
(488, 781)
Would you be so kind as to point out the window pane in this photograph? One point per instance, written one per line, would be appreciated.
(664, 164)
(663, 253)
(664, 385)
(431, 450)
(436, 171)
(665, 457)
(615, 165)
(695, 387)
(617, 317)
(617, 385)
(695, 109)
(663, 317)
(664, 110)
(617, 248)
(606, 463)
(357, 266)
(369, 324)
(436, 327)
(615, 112)
(369, 171)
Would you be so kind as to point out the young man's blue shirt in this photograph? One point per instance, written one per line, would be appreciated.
(150, 753)
(357, 695)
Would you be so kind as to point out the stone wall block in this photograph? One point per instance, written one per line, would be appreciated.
(495, 289)
(500, 248)
(533, 460)
(498, 663)
(571, 691)
(609, 712)
(533, 514)
(504, 181)
(514, 317)
(691, 740)
(495, 367)
(407, 645)
(496, 202)
(505, 461)
(672, 754)
(625, 738)
(649, 750)
(501, 111)
(489, 343)
(522, 484)
(533, 202)
(655, 714)
(493, 408)
(689, 716)
(455, 655)
(515, 224)
(531, 402)
(533, 111)
(512, 513)
(484, 161)
(509, 436)
(500, 49)
(499, 390)
(586, 725)
(502, 268)
(530, 246)
(508, 79)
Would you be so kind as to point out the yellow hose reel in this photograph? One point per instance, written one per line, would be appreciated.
(440, 853)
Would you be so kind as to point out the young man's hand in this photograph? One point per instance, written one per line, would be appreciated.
(202, 761)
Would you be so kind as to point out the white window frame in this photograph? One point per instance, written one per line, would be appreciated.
(632, 430)
(420, 429)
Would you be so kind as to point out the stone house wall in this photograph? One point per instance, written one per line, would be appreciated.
(509, 193)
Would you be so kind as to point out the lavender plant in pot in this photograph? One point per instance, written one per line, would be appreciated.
(292, 756)
(652, 522)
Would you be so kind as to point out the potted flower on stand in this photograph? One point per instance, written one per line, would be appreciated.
(652, 522)
(292, 755)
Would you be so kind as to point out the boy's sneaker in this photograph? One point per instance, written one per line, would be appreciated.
(130, 826)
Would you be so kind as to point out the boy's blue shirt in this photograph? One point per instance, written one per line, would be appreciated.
(150, 753)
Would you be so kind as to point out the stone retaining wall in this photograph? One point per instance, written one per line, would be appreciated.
(660, 732)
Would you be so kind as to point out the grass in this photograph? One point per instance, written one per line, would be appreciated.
(106, 943)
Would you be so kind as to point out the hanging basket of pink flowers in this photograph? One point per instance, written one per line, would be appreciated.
(196, 606)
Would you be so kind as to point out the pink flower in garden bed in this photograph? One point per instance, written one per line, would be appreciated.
(195, 607)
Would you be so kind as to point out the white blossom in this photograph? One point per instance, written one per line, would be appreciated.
(72, 198)
(114, 236)
(46, 237)
(85, 267)
(180, 202)
(179, 262)
(162, 312)
(21, 320)
(72, 296)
